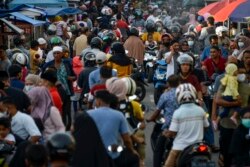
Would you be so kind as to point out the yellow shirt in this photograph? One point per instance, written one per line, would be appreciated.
(137, 110)
(156, 37)
(122, 71)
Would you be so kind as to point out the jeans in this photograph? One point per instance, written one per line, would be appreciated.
(209, 134)
(127, 159)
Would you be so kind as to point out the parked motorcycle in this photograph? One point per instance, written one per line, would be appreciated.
(159, 79)
(196, 155)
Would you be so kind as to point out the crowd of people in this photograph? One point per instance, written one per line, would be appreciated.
(66, 96)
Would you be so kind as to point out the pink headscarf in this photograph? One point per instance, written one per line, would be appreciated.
(41, 102)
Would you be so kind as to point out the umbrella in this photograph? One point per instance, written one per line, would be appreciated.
(224, 13)
(214, 7)
(207, 8)
(241, 13)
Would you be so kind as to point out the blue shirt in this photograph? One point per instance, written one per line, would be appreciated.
(206, 53)
(95, 77)
(110, 124)
(168, 103)
(16, 83)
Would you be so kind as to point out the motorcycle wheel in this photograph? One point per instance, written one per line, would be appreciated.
(150, 74)
(140, 91)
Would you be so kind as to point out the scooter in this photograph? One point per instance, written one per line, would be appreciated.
(159, 79)
(5, 150)
(196, 155)
(150, 57)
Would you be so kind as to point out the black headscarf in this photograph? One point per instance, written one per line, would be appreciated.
(120, 59)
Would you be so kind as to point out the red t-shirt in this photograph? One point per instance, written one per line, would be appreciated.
(212, 67)
(192, 79)
(122, 24)
(56, 99)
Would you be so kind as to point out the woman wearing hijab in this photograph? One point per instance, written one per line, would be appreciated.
(45, 114)
(120, 61)
(244, 44)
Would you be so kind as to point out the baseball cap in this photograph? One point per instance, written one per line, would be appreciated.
(57, 49)
(101, 57)
(41, 41)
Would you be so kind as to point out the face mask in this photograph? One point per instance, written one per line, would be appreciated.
(190, 43)
(241, 77)
(240, 44)
(159, 29)
(27, 88)
(246, 122)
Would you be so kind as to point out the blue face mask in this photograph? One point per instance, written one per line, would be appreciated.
(246, 122)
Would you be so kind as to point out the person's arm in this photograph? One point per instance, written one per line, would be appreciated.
(154, 116)
(128, 143)
(221, 102)
(169, 57)
(203, 34)
(32, 129)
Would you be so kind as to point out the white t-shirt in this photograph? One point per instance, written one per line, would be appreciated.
(170, 67)
(24, 126)
(188, 121)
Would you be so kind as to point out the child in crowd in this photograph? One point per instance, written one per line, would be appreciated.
(5, 134)
(230, 85)
(150, 43)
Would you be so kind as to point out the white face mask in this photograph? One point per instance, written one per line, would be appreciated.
(190, 43)
(241, 44)
(241, 77)
(27, 88)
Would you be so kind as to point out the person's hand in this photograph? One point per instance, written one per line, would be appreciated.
(171, 50)
(135, 152)
(204, 68)
(140, 140)
(150, 119)
(239, 100)
(142, 125)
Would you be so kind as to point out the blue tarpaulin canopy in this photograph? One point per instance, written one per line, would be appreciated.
(40, 3)
(27, 19)
(61, 11)
(241, 12)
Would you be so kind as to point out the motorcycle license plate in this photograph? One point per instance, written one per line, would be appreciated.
(203, 164)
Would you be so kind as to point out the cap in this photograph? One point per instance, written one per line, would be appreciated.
(57, 49)
(101, 57)
(41, 41)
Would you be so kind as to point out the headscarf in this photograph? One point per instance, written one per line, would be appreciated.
(246, 41)
(34, 79)
(117, 87)
(230, 81)
(41, 101)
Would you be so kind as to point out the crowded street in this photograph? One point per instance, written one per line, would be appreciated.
(125, 83)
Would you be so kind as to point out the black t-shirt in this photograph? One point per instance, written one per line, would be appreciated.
(21, 100)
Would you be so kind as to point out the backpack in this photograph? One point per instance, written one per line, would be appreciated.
(126, 108)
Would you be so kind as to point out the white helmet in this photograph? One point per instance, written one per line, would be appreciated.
(130, 84)
(221, 29)
(20, 58)
(185, 59)
(186, 93)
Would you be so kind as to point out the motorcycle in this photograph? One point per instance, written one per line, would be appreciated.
(196, 155)
(138, 76)
(156, 131)
(159, 79)
(5, 150)
(149, 59)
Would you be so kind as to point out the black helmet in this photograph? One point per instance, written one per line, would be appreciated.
(89, 59)
(60, 146)
(117, 47)
(134, 31)
(96, 42)
(150, 26)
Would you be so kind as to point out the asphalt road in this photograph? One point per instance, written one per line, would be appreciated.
(150, 107)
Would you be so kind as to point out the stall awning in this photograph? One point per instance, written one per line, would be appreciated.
(27, 19)
(12, 26)
(61, 11)
(39, 3)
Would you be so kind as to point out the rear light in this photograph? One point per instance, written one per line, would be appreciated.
(202, 148)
